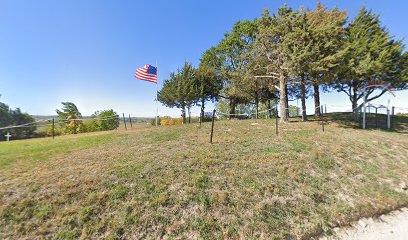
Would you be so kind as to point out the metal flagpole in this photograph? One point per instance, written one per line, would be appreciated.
(157, 101)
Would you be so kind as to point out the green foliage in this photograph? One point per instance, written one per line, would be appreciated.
(10, 117)
(282, 55)
(371, 54)
(68, 118)
(153, 121)
(58, 130)
(104, 120)
(180, 90)
(208, 84)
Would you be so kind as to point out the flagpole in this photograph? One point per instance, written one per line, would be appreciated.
(157, 101)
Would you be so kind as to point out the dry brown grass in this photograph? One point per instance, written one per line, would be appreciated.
(169, 182)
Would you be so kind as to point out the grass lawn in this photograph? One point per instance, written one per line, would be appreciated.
(169, 182)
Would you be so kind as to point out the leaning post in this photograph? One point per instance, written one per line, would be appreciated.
(212, 126)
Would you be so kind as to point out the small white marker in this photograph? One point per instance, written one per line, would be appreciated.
(8, 136)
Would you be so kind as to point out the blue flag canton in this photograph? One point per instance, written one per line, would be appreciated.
(152, 70)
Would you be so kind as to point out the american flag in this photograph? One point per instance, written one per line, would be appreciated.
(147, 73)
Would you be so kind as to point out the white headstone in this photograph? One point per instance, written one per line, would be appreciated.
(8, 136)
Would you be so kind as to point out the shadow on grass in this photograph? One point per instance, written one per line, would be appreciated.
(345, 120)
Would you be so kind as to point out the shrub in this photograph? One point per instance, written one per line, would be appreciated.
(168, 121)
(153, 121)
(165, 122)
(58, 130)
(104, 120)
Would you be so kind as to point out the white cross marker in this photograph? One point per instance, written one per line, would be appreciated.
(8, 136)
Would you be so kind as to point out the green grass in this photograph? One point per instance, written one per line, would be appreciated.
(169, 182)
(28, 152)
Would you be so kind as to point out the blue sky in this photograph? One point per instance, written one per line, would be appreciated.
(87, 51)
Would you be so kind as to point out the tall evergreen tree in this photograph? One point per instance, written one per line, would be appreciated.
(233, 49)
(208, 87)
(179, 90)
(372, 54)
(299, 46)
(326, 29)
(270, 45)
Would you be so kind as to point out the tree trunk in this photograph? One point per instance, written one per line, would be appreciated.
(269, 108)
(189, 114)
(287, 101)
(303, 97)
(202, 108)
(354, 100)
(183, 114)
(316, 96)
(232, 108)
(256, 105)
(282, 98)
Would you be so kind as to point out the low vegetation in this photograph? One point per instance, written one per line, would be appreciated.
(169, 182)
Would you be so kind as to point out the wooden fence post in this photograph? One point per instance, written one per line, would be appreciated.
(322, 119)
(276, 122)
(130, 120)
(392, 116)
(53, 128)
(212, 126)
(124, 121)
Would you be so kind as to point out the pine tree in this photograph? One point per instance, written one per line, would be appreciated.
(299, 50)
(208, 85)
(326, 29)
(372, 54)
(270, 47)
(179, 90)
(233, 49)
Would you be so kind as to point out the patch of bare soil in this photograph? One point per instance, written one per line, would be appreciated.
(389, 226)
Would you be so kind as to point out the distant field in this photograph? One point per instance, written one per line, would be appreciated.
(169, 182)
(42, 127)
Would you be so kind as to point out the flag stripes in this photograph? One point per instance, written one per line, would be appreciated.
(147, 73)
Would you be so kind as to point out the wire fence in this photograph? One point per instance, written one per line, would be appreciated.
(51, 127)
(376, 117)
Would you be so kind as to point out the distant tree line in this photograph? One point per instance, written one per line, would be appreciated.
(69, 121)
(10, 117)
(292, 54)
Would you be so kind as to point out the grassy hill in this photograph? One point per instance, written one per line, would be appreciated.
(169, 182)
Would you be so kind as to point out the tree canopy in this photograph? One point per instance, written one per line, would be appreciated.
(286, 54)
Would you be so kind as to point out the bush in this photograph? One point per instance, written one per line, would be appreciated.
(153, 121)
(104, 120)
(58, 130)
(168, 121)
